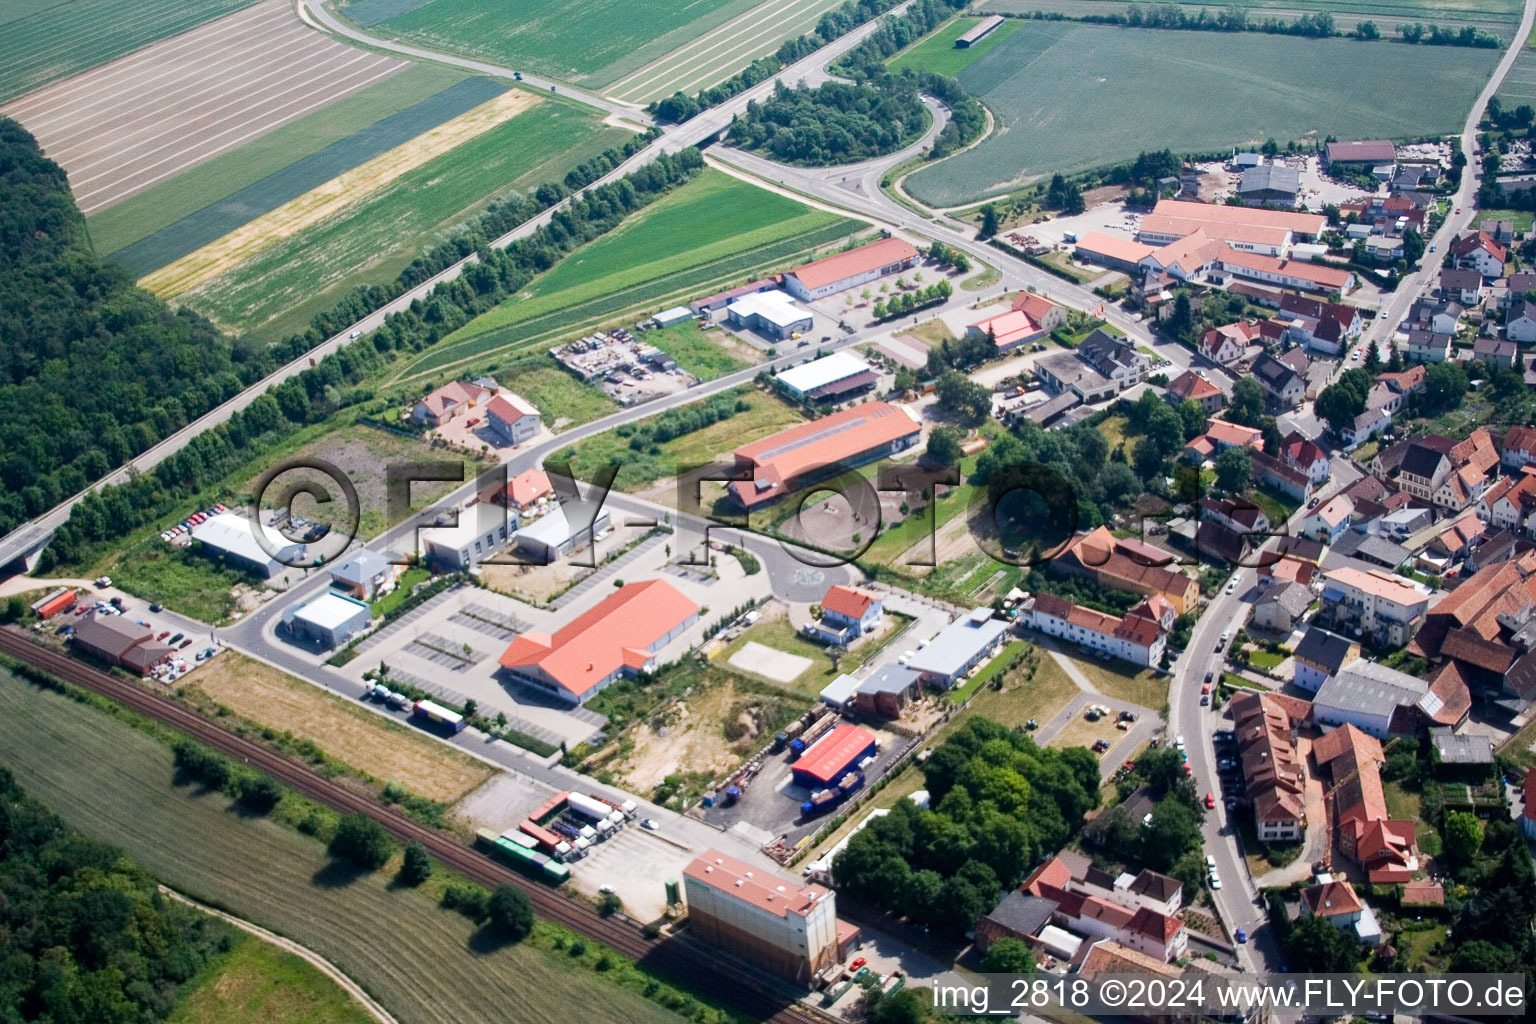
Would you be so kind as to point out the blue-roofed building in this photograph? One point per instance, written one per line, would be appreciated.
(959, 647)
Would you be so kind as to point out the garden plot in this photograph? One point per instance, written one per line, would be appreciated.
(1060, 93)
(121, 128)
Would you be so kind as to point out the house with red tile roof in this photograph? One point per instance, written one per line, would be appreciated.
(1481, 253)
(1099, 906)
(1485, 627)
(1519, 448)
(1190, 386)
(1226, 344)
(1365, 831)
(448, 402)
(780, 464)
(1336, 902)
(620, 636)
(512, 418)
(1008, 330)
(524, 490)
(1303, 453)
(1040, 309)
(1126, 564)
(1264, 727)
(1132, 637)
(847, 613)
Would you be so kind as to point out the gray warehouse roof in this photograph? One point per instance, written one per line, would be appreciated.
(1276, 177)
(1022, 913)
(1454, 749)
(1371, 688)
(361, 567)
(957, 643)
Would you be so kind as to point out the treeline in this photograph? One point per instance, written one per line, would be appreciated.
(316, 393)
(1316, 25)
(680, 107)
(88, 938)
(908, 302)
(999, 803)
(833, 123)
(685, 419)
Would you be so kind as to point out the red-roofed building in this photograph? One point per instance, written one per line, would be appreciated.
(1303, 454)
(1136, 638)
(847, 613)
(769, 921)
(448, 402)
(1528, 796)
(1041, 310)
(834, 755)
(525, 489)
(1480, 253)
(1227, 344)
(849, 269)
(620, 636)
(821, 448)
(1191, 387)
(1365, 831)
(1310, 277)
(1008, 330)
(512, 418)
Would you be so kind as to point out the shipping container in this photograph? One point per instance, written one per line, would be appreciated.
(588, 807)
(555, 873)
(549, 842)
(58, 601)
(522, 839)
(548, 809)
(433, 712)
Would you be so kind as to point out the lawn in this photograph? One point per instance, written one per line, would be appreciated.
(997, 665)
(936, 52)
(781, 636)
(267, 873)
(1038, 690)
(371, 744)
(563, 400)
(257, 983)
(45, 40)
(705, 354)
(711, 228)
(1278, 509)
(328, 141)
(1522, 218)
(1119, 680)
(640, 470)
(279, 289)
(1071, 97)
(587, 41)
(1265, 659)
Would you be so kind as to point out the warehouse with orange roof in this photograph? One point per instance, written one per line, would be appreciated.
(820, 449)
(620, 636)
(818, 279)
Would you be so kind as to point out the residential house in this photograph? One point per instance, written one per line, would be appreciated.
(1226, 345)
(1219, 436)
(1389, 609)
(1372, 548)
(1134, 638)
(1520, 322)
(1115, 357)
(1519, 447)
(1319, 655)
(448, 402)
(1089, 908)
(1383, 702)
(1129, 565)
(1501, 231)
(1283, 387)
(364, 574)
(1429, 346)
(512, 418)
(1462, 285)
(1380, 402)
(1329, 519)
(1484, 631)
(1190, 386)
(1445, 473)
(1304, 454)
(1480, 253)
(1364, 830)
(1280, 607)
(1041, 310)
(1441, 317)
(1264, 725)
(1337, 903)
(847, 613)
(1447, 548)
(1495, 352)
(1286, 569)
(1275, 474)
(1239, 515)
(1064, 372)
(1518, 286)
(1183, 259)
(525, 490)
(1404, 382)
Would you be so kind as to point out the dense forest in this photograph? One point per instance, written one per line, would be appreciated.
(999, 803)
(835, 122)
(88, 939)
(92, 369)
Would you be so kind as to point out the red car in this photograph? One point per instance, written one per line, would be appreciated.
(1210, 801)
(1206, 688)
(162, 636)
(858, 962)
(1187, 769)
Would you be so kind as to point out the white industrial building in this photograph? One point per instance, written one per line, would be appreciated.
(482, 531)
(675, 315)
(553, 535)
(330, 619)
(232, 537)
(959, 647)
(828, 377)
(772, 314)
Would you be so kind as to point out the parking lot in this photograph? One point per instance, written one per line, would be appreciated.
(191, 650)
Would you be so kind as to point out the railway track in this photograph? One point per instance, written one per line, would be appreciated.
(691, 968)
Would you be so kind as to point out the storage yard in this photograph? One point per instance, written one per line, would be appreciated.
(123, 127)
(629, 370)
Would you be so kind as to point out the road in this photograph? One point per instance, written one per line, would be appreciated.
(1462, 210)
(1237, 899)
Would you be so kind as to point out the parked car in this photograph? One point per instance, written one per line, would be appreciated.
(1208, 677)
(1205, 700)
(163, 635)
(156, 607)
(185, 644)
(177, 638)
(650, 824)
(1210, 801)
(857, 962)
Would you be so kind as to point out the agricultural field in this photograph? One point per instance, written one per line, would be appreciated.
(183, 213)
(640, 470)
(711, 57)
(44, 40)
(936, 52)
(370, 743)
(705, 354)
(272, 275)
(1062, 92)
(124, 127)
(589, 42)
(1519, 86)
(1500, 16)
(265, 872)
(257, 983)
(715, 228)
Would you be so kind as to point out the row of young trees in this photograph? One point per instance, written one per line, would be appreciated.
(908, 302)
(316, 393)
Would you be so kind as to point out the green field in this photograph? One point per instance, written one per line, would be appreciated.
(703, 354)
(257, 983)
(1522, 219)
(160, 207)
(707, 230)
(45, 40)
(1070, 97)
(937, 51)
(423, 963)
(280, 290)
(1501, 16)
(588, 41)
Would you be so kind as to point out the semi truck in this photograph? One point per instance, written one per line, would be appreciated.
(439, 715)
(823, 800)
(627, 808)
(592, 808)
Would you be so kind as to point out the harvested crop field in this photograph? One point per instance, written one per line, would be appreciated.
(127, 125)
(713, 56)
(291, 218)
(368, 742)
(287, 283)
(44, 40)
(1063, 97)
(592, 42)
(256, 868)
(144, 234)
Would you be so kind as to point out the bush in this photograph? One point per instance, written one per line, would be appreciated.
(198, 762)
(362, 841)
(510, 912)
(259, 793)
(416, 867)
(469, 900)
(609, 904)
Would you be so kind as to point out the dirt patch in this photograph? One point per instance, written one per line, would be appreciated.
(685, 738)
(535, 584)
(367, 742)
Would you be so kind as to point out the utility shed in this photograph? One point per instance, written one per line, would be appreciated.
(976, 33)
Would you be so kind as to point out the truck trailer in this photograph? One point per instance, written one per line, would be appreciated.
(590, 808)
